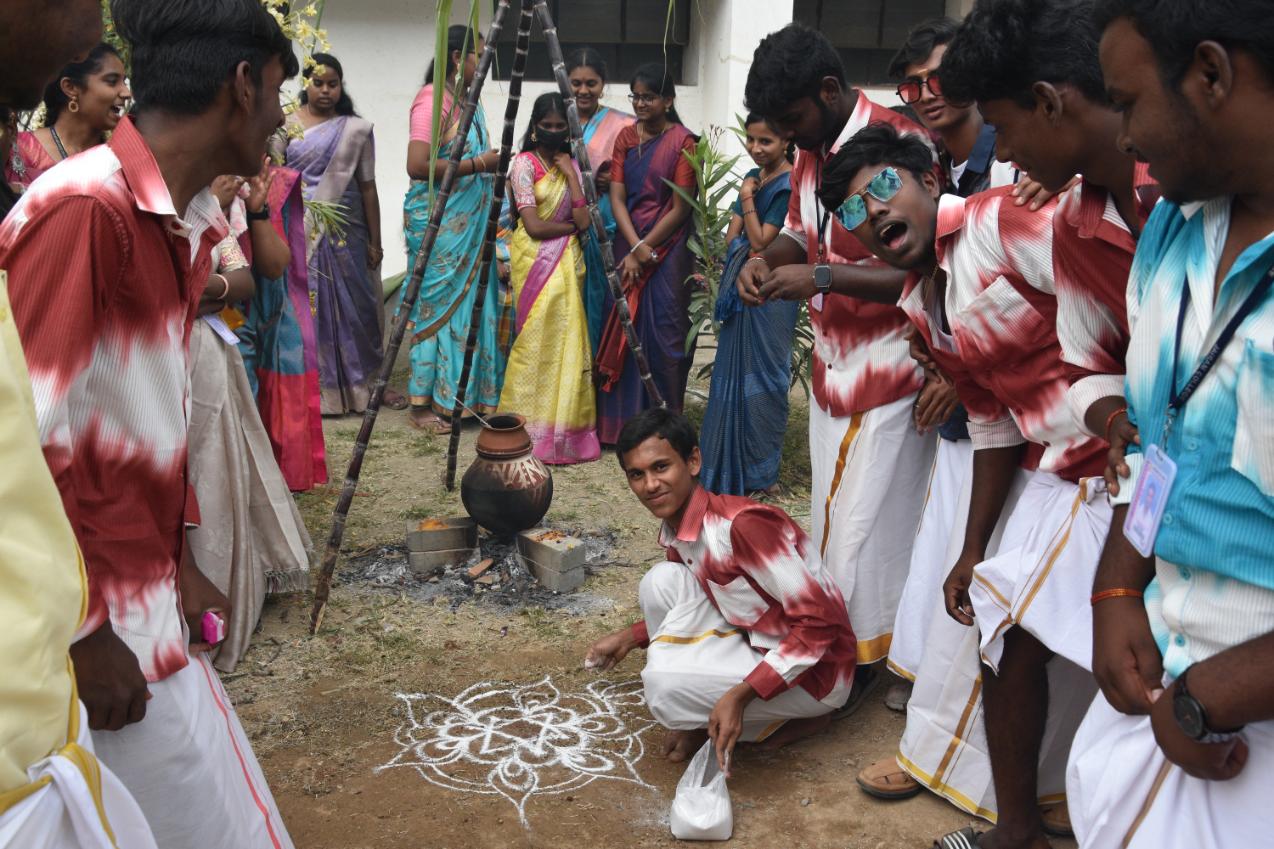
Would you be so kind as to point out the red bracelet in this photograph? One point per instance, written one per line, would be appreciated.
(1110, 420)
(577, 203)
(1116, 593)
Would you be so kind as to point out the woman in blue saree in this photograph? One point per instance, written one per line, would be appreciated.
(653, 255)
(440, 320)
(743, 427)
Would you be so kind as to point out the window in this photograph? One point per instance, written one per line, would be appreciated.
(627, 33)
(866, 33)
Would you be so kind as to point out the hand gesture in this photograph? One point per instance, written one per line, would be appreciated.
(199, 596)
(789, 283)
(562, 161)
(1126, 659)
(630, 270)
(1033, 192)
(935, 404)
(748, 283)
(955, 591)
(109, 680)
(725, 723)
(749, 187)
(610, 650)
(601, 177)
(919, 349)
(375, 254)
(1122, 434)
(259, 187)
(1208, 761)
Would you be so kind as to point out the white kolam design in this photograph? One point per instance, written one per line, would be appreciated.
(520, 741)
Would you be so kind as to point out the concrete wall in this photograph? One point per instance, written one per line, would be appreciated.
(386, 45)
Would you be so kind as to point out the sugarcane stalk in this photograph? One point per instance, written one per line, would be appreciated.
(521, 50)
(590, 194)
(323, 585)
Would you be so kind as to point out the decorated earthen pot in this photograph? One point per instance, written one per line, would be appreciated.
(507, 489)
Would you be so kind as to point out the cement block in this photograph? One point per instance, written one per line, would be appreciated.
(553, 579)
(461, 532)
(426, 563)
(552, 549)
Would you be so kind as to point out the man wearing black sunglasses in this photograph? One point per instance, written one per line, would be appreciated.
(870, 465)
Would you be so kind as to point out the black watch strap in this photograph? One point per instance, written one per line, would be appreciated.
(1192, 717)
(262, 215)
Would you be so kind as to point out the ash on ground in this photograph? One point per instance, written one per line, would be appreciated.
(506, 583)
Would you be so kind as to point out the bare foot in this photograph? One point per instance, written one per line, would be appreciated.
(394, 400)
(680, 746)
(423, 418)
(796, 729)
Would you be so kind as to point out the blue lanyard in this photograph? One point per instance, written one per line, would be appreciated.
(1178, 399)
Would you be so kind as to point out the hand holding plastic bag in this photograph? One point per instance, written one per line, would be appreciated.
(701, 809)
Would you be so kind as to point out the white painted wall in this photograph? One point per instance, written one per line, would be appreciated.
(385, 47)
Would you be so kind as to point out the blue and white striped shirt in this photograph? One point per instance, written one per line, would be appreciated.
(1219, 519)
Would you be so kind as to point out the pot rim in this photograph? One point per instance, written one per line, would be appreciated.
(507, 422)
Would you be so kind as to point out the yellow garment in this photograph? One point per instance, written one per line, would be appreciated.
(549, 375)
(43, 589)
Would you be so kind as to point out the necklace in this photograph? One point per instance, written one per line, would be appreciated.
(57, 141)
(641, 141)
(547, 167)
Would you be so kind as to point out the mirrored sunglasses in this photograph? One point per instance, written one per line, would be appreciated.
(883, 187)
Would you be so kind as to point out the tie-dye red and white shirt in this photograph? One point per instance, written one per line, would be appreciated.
(999, 345)
(104, 279)
(1092, 258)
(861, 358)
(765, 576)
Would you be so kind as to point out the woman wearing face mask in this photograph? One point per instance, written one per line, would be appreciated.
(601, 124)
(84, 103)
(651, 248)
(548, 378)
(440, 319)
(742, 433)
(337, 160)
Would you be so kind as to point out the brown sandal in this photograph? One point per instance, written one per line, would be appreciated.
(1057, 820)
(884, 779)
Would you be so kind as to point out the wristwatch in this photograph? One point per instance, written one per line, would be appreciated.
(823, 278)
(1192, 719)
(262, 215)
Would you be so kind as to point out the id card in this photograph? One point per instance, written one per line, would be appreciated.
(1149, 500)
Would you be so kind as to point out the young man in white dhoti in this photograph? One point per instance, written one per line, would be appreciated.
(1178, 750)
(980, 294)
(107, 256)
(870, 466)
(54, 793)
(746, 633)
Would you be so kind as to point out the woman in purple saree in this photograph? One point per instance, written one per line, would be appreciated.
(652, 253)
(337, 162)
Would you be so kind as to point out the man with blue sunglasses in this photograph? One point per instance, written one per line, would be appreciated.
(981, 295)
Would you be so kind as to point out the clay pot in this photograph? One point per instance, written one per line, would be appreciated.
(507, 489)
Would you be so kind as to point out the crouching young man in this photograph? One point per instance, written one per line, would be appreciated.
(746, 634)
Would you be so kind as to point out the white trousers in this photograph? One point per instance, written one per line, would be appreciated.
(80, 804)
(1124, 794)
(937, 546)
(191, 768)
(695, 656)
(870, 472)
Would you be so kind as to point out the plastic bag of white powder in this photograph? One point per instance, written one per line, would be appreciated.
(701, 808)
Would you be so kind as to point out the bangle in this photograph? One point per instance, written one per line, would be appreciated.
(748, 212)
(1115, 593)
(640, 242)
(1110, 420)
(225, 281)
(262, 214)
(578, 203)
(755, 258)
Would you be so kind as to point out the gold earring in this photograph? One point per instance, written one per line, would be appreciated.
(74, 105)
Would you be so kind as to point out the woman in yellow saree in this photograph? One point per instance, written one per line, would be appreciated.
(549, 375)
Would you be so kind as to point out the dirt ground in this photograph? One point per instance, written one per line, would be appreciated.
(322, 712)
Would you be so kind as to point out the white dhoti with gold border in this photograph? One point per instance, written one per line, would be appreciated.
(191, 768)
(1124, 794)
(870, 471)
(944, 745)
(73, 802)
(937, 545)
(695, 656)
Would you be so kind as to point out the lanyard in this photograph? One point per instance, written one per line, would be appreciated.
(1177, 400)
